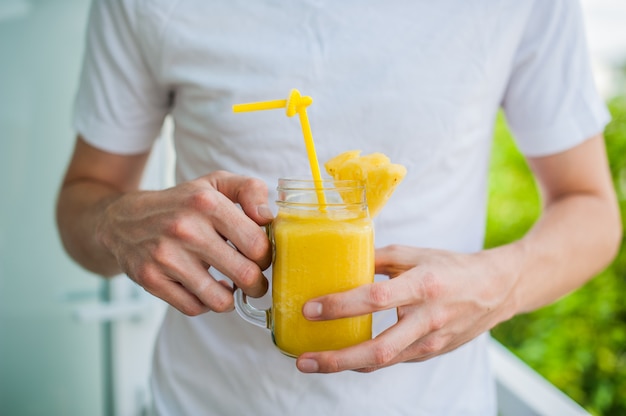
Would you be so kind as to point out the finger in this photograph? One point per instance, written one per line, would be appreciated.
(362, 300)
(222, 220)
(176, 295)
(187, 269)
(227, 285)
(245, 273)
(211, 292)
(395, 259)
(379, 352)
(428, 347)
(234, 225)
(250, 193)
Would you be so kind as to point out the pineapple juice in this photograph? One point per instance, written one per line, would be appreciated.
(319, 249)
(318, 254)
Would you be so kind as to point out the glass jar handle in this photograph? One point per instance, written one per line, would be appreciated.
(249, 313)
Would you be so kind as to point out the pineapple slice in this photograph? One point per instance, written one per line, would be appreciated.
(335, 163)
(381, 177)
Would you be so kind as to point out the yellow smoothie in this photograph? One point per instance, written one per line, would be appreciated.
(317, 253)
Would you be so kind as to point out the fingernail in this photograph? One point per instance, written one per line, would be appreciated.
(265, 212)
(308, 365)
(312, 310)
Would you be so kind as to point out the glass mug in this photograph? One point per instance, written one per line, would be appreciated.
(318, 249)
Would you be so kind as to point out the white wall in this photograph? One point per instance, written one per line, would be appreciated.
(605, 21)
(56, 351)
(49, 363)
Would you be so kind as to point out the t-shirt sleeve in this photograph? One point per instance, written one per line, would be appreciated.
(551, 102)
(119, 106)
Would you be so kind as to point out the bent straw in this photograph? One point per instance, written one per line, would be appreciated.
(295, 104)
(263, 105)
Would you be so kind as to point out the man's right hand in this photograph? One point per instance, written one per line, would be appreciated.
(166, 240)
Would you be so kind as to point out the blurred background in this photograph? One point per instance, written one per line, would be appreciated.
(71, 344)
(578, 343)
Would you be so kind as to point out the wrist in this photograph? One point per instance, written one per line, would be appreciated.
(104, 236)
(503, 269)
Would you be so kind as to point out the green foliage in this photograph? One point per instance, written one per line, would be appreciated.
(579, 342)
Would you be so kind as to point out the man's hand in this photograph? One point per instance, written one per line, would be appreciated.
(443, 300)
(165, 240)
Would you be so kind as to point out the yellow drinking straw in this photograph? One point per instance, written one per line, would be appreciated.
(294, 104)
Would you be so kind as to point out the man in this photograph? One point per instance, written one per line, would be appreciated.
(419, 81)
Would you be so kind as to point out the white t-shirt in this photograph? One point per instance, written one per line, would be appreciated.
(420, 81)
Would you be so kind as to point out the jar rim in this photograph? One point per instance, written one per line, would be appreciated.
(294, 184)
(304, 193)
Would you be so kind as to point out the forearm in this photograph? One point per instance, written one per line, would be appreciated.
(80, 207)
(575, 238)
(94, 179)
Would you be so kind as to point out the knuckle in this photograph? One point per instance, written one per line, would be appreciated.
(219, 174)
(220, 304)
(254, 185)
(437, 321)
(147, 276)
(333, 365)
(164, 255)
(395, 250)
(247, 275)
(380, 295)
(204, 200)
(259, 246)
(432, 287)
(333, 307)
(431, 345)
(180, 227)
(383, 353)
(210, 294)
(160, 253)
